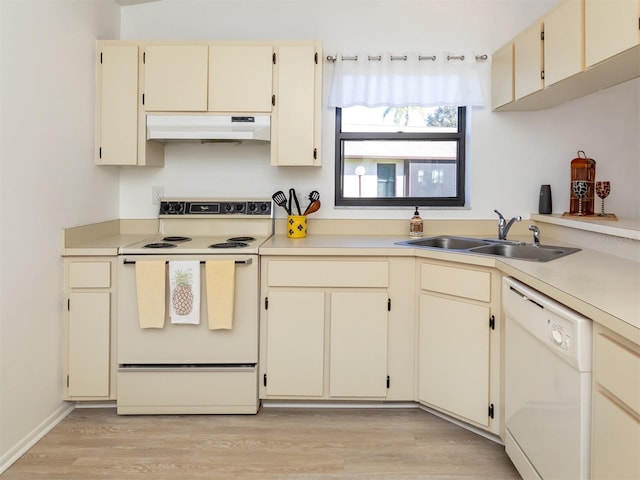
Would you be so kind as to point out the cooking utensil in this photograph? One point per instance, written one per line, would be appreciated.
(292, 194)
(313, 196)
(313, 207)
(281, 201)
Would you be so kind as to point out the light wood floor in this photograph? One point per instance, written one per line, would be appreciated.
(278, 443)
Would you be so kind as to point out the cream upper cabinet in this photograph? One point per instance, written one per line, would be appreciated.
(502, 76)
(176, 78)
(120, 120)
(563, 41)
(117, 105)
(588, 45)
(297, 113)
(89, 369)
(611, 27)
(136, 78)
(240, 78)
(458, 342)
(528, 61)
(616, 407)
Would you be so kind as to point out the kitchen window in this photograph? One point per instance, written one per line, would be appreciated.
(400, 156)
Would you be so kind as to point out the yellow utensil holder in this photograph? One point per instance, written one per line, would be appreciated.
(296, 226)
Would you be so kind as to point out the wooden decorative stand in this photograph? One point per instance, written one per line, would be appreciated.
(607, 216)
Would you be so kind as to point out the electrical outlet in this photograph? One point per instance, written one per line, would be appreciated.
(156, 194)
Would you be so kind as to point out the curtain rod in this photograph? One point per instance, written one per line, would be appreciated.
(333, 58)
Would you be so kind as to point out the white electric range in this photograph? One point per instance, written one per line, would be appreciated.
(192, 367)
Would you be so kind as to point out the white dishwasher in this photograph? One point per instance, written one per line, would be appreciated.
(547, 385)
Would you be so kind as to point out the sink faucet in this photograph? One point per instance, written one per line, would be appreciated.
(504, 226)
(536, 235)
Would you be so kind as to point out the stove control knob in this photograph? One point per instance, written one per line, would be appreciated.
(252, 207)
(228, 207)
(179, 207)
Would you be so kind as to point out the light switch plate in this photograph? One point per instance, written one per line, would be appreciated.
(156, 194)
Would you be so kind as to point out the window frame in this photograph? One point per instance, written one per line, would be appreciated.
(459, 137)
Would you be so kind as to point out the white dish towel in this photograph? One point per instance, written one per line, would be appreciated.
(184, 295)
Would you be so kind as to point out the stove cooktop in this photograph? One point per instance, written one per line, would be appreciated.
(208, 226)
(207, 245)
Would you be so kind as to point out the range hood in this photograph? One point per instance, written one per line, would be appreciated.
(207, 127)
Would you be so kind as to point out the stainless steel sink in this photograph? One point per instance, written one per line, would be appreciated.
(449, 243)
(493, 247)
(541, 253)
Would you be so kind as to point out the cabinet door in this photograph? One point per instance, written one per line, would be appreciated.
(502, 76)
(117, 129)
(175, 78)
(611, 27)
(358, 344)
(240, 78)
(88, 343)
(295, 132)
(454, 357)
(295, 343)
(616, 441)
(563, 42)
(527, 58)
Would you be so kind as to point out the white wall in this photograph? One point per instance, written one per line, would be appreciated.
(47, 182)
(510, 154)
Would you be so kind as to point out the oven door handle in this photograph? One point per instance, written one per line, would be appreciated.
(247, 261)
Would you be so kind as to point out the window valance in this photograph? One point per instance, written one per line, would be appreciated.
(408, 79)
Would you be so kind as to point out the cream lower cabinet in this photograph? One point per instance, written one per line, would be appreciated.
(88, 370)
(293, 360)
(616, 407)
(459, 342)
(326, 330)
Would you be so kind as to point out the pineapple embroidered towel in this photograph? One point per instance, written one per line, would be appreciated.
(150, 289)
(220, 279)
(184, 297)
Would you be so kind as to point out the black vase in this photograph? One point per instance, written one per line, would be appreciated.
(544, 204)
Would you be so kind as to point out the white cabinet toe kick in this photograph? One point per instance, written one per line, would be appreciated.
(187, 389)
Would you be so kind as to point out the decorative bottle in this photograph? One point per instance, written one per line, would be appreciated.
(416, 225)
(583, 169)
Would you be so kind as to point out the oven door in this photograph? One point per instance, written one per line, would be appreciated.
(189, 344)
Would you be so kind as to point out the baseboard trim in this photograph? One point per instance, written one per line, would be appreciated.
(334, 404)
(34, 436)
(466, 426)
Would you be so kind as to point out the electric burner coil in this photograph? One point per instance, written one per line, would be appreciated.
(160, 245)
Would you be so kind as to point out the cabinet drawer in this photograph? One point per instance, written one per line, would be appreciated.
(187, 390)
(328, 274)
(456, 281)
(89, 274)
(618, 369)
